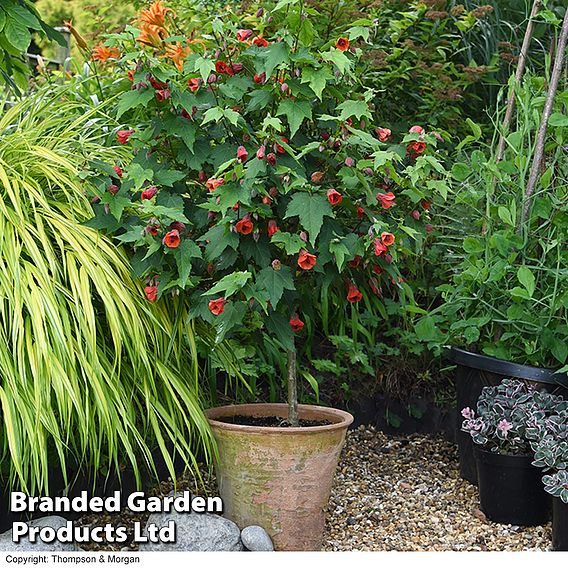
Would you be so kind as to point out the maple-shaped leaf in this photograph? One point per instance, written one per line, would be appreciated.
(311, 209)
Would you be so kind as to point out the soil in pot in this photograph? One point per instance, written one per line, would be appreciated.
(270, 421)
(559, 524)
(510, 489)
(278, 477)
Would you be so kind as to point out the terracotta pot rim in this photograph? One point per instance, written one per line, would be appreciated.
(340, 418)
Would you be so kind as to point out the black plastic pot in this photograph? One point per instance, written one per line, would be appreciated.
(511, 489)
(559, 524)
(473, 372)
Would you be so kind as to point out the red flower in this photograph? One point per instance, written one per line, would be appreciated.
(272, 228)
(259, 41)
(377, 269)
(355, 262)
(266, 200)
(271, 159)
(172, 239)
(296, 323)
(417, 147)
(149, 193)
(242, 154)
(387, 239)
(243, 35)
(360, 212)
(306, 261)
(217, 307)
(222, 67)
(151, 293)
(213, 183)
(156, 84)
(429, 228)
(130, 74)
(244, 226)
(342, 44)
(380, 248)
(261, 152)
(386, 199)
(333, 196)
(194, 84)
(152, 229)
(426, 204)
(117, 171)
(163, 94)
(416, 130)
(383, 133)
(279, 149)
(259, 79)
(123, 135)
(353, 294)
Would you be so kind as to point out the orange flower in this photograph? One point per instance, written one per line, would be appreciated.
(386, 199)
(76, 35)
(172, 239)
(383, 133)
(151, 35)
(244, 226)
(177, 53)
(102, 53)
(194, 84)
(306, 261)
(353, 294)
(213, 183)
(334, 197)
(216, 307)
(259, 41)
(417, 147)
(380, 248)
(156, 14)
(387, 239)
(342, 44)
(272, 228)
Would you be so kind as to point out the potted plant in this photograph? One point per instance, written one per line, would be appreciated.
(503, 306)
(258, 178)
(510, 488)
(549, 440)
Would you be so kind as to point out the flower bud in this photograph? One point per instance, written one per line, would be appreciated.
(276, 264)
(304, 236)
(260, 12)
(256, 235)
(212, 78)
(284, 87)
(349, 162)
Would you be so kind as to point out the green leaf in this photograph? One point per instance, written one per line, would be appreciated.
(275, 282)
(204, 67)
(168, 177)
(560, 350)
(259, 100)
(2, 19)
(17, 34)
(358, 109)
(317, 79)
(338, 58)
(358, 31)
(274, 55)
(311, 209)
(426, 330)
(527, 279)
(230, 284)
(461, 171)
(232, 116)
(140, 175)
(186, 251)
(25, 16)
(279, 327)
(505, 215)
(214, 113)
(473, 245)
(132, 99)
(292, 244)
(296, 112)
(558, 119)
(232, 315)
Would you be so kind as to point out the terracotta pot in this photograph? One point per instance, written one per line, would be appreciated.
(279, 478)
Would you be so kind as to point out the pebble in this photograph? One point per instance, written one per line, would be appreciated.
(256, 539)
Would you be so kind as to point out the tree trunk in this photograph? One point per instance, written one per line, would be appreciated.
(541, 137)
(292, 389)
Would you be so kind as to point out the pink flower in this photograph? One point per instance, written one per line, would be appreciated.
(386, 199)
(242, 154)
(468, 413)
(416, 130)
(504, 427)
(243, 35)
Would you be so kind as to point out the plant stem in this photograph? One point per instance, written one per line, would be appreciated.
(292, 389)
(518, 76)
(541, 138)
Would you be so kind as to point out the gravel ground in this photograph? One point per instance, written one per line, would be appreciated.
(405, 493)
(391, 493)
